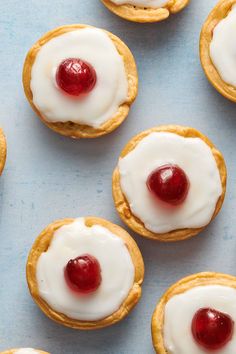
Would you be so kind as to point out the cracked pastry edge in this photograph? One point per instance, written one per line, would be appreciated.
(142, 14)
(3, 150)
(122, 205)
(41, 245)
(219, 12)
(183, 285)
(75, 130)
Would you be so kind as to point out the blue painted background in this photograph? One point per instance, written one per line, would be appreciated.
(49, 177)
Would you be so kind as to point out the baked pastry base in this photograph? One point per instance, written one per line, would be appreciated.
(144, 14)
(200, 279)
(3, 151)
(122, 204)
(219, 12)
(75, 130)
(41, 245)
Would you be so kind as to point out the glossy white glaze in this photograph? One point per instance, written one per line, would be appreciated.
(223, 48)
(26, 351)
(142, 3)
(194, 156)
(179, 312)
(117, 269)
(102, 103)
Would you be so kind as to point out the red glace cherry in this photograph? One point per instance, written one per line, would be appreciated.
(75, 77)
(169, 183)
(212, 329)
(83, 274)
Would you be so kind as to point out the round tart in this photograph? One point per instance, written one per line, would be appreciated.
(169, 183)
(24, 351)
(145, 10)
(80, 80)
(197, 315)
(85, 273)
(3, 151)
(217, 48)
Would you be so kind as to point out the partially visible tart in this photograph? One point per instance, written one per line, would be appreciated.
(3, 151)
(85, 273)
(197, 315)
(217, 48)
(80, 80)
(145, 10)
(24, 351)
(169, 183)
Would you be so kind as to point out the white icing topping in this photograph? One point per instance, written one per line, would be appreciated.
(223, 48)
(142, 3)
(26, 351)
(194, 156)
(102, 103)
(71, 241)
(179, 312)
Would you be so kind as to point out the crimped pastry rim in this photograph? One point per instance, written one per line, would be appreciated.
(219, 12)
(142, 14)
(187, 283)
(13, 351)
(75, 130)
(122, 205)
(3, 151)
(42, 243)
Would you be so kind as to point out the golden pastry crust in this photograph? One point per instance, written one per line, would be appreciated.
(144, 14)
(3, 151)
(75, 130)
(41, 245)
(13, 351)
(185, 284)
(122, 204)
(219, 12)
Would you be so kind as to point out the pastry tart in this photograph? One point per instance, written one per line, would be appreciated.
(217, 48)
(24, 351)
(145, 10)
(197, 315)
(3, 151)
(80, 80)
(85, 273)
(169, 183)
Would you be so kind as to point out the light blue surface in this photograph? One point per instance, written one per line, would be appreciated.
(49, 177)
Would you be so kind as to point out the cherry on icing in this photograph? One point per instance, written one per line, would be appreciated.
(83, 274)
(169, 183)
(212, 329)
(75, 77)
